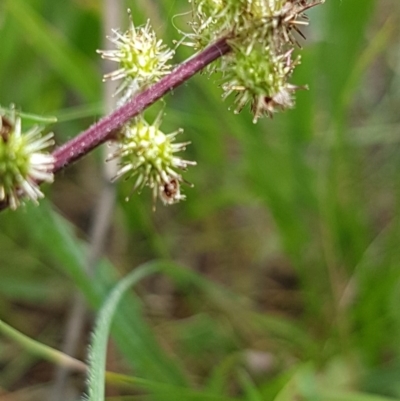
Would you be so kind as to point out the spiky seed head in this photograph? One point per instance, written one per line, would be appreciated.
(262, 36)
(149, 155)
(24, 161)
(142, 58)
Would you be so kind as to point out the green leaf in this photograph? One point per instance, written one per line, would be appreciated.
(98, 348)
(55, 237)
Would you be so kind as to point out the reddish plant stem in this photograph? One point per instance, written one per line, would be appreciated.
(104, 129)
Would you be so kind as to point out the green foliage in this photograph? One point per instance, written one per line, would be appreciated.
(98, 349)
(288, 279)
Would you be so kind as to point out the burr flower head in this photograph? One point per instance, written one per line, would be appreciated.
(252, 19)
(261, 79)
(23, 161)
(141, 57)
(261, 34)
(146, 153)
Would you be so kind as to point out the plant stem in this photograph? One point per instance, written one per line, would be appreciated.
(104, 130)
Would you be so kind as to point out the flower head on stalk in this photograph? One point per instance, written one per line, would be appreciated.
(23, 161)
(261, 79)
(262, 37)
(148, 154)
(142, 58)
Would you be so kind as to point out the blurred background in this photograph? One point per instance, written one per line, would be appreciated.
(285, 257)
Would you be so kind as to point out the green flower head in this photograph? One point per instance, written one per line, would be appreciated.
(262, 36)
(148, 154)
(261, 79)
(142, 58)
(23, 161)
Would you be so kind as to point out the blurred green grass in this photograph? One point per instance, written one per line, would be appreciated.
(292, 223)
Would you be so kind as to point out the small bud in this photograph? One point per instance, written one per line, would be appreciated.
(145, 152)
(22, 161)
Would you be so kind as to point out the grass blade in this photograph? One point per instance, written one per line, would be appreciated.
(98, 349)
